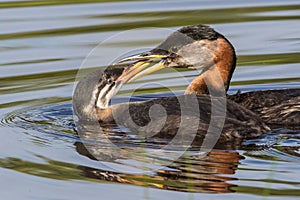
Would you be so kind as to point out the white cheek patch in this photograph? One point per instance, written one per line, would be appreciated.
(106, 94)
(204, 49)
(102, 101)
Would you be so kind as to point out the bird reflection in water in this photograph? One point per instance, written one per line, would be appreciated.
(190, 173)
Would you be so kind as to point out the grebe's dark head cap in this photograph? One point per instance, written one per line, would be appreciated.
(187, 35)
(200, 32)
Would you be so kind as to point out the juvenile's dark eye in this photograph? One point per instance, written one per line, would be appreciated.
(109, 81)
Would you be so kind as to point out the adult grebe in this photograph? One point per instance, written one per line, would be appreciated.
(201, 47)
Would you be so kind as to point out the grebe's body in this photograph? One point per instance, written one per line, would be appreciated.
(275, 107)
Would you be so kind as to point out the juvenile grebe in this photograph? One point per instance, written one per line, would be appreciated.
(92, 94)
(201, 47)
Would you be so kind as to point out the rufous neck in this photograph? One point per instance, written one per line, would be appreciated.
(216, 78)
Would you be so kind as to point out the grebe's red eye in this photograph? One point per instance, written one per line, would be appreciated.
(173, 49)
